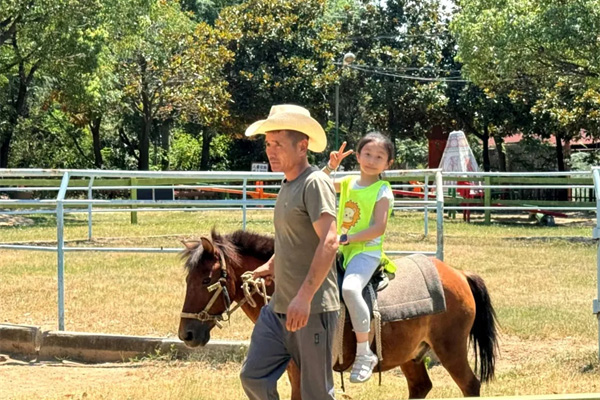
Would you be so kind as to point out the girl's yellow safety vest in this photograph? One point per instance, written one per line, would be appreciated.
(354, 215)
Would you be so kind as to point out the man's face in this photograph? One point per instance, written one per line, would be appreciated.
(282, 153)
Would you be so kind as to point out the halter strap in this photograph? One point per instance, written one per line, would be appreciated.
(218, 287)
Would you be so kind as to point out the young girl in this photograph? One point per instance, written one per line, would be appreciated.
(365, 202)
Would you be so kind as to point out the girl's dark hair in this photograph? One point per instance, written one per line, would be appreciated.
(376, 136)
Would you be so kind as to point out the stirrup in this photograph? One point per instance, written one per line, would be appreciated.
(383, 283)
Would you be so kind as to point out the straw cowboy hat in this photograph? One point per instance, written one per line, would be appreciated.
(288, 116)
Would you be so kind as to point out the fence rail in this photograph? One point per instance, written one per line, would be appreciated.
(67, 183)
(62, 192)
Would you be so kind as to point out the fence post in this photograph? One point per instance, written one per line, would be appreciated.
(133, 182)
(60, 249)
(487, 200)
(596, 235)
(90, 208)
(245, 198)
(426, 198)
(439, 191)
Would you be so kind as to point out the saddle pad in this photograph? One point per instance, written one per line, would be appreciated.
(416, 290)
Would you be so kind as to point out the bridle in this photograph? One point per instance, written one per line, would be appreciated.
(218, 287)
(250, 287)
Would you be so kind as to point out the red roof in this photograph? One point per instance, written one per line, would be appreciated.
(583, 140)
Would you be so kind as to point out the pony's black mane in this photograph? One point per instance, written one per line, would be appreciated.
(234, 246)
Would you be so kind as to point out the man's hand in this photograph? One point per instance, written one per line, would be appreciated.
(265, 271)
(297, 313)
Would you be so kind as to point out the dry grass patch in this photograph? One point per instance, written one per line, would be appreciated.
(542, 291)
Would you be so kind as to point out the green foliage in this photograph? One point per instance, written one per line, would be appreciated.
(184, 154)
(220, 148)
(543, 53)
(172, 69)
(50, 140)
(40, 42)
(283, 54)
(157, 84)
(395, 45)
(507, 39)
(412, 154)
(207, 10)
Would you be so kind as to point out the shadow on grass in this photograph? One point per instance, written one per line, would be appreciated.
(44, 221)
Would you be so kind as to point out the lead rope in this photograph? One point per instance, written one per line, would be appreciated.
(252, 286)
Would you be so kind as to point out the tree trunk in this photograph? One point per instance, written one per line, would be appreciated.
(486, 148)
(206, 139)
(562, 194)
(501, 154)
(144, 145)
(560, 157)
(95, 129)
(4, 149)
(19, 105)
(165, 139)
(392, 123)
(144, 139)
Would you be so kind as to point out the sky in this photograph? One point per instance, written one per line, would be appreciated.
(448, 4)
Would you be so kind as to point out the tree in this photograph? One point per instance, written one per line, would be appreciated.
(40, 39)
(171, 69)
(512, 38)
(548, 51)
(91, 97)
(393, 85)
(207, 10)
(566, 109)
(284, 53)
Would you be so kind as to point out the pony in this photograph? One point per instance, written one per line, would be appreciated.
(215, 266)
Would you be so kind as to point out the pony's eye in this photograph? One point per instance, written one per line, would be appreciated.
(206, 281)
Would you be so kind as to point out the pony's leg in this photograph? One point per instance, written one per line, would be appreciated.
(294, 375)
(417, 378)
(454, 357)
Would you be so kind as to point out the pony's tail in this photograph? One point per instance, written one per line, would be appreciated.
(484, 334)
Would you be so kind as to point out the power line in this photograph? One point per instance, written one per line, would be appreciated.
(400, 36)
(418, 69)
(383, 70)
(409, 77)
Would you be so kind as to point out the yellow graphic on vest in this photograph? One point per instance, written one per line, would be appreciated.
(351, 216)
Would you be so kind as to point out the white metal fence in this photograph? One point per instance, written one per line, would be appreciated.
(74, 182)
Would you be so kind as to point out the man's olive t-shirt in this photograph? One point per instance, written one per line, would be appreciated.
(299, 204)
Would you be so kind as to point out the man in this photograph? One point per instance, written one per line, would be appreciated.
(299, 322)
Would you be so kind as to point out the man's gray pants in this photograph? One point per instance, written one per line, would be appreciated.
(272, 347)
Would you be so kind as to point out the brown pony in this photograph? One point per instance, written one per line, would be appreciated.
(215, 266)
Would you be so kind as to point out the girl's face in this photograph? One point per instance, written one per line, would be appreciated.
(373, 158)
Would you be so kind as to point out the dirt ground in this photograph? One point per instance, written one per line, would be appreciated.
(64, 379)
(38, 380)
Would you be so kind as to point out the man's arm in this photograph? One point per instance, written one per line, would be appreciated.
(299, 309)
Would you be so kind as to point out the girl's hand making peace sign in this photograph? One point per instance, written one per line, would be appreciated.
(336, 157)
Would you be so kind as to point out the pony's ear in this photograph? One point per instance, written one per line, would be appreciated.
(207, 244)
(191, 245)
